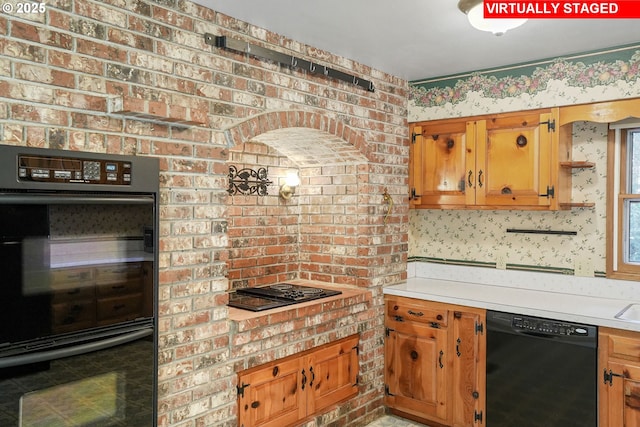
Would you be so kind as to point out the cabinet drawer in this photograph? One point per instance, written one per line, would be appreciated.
(623, 344)
(63, 277)
(411, 310)
(123, 308)
(71, 316)
(83, 292)
(118, 272)
(119, 288)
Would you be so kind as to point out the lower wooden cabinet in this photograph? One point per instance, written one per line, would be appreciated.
(100, 295)
(619, 379)
(284, 392)
(435, 357)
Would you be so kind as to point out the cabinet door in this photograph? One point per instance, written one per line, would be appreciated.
(331, 375)
(623, 396)
(514, 160)
(272, 397)
(469, 367)
(438, 162)
(416, 369)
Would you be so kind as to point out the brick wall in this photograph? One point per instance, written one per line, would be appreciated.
(263, 230)
(115, 76)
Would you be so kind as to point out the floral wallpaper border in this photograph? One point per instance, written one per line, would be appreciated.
(580, 74)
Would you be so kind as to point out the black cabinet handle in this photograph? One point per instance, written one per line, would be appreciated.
(440, 359)
(304, 379)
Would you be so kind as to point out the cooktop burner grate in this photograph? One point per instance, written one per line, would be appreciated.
(277, 295)
(281, 287)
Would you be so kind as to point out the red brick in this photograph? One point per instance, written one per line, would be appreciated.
(133, 105)
(96, 122)
(28, 52)
(38, 34)
(172, 17)
(100, 13)
(130, 39)
(100, 50)
(198, 116)
(157, 108)
(150, 28)
(44, 75)
(39, 115)
(36, 136)
(75, 62)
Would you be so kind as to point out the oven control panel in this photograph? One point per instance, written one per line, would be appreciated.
(73, 170)
(548, 327)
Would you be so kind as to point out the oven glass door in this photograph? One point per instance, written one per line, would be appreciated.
(100, 383)
(73, 263)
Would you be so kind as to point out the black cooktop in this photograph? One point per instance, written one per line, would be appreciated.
(278, 295)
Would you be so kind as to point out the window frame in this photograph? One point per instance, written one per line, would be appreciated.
(618, 154)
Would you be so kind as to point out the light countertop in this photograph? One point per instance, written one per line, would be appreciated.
(593, 301)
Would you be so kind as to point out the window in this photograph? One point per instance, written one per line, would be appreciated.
(623, 210)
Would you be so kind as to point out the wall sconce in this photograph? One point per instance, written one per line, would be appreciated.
(288, 189)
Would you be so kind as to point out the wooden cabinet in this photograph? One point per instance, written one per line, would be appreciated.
(284, 392)
(416, 358)
(504, 161)
(619, 378)
(73, 299)
(85, 297)
(119, 292)
(469, 367)
(435, 361)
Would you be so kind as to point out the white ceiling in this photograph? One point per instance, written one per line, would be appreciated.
(419, 39)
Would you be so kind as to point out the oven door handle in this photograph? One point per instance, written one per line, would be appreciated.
(44, 356)
(44, 198)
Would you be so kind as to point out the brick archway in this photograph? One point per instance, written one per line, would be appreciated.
(262, 123)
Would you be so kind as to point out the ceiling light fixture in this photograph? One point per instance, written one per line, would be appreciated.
(475, 13)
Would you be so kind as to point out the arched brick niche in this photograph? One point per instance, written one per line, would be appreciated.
(316, 234)
(270, 121)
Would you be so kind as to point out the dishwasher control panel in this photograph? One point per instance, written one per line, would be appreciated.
(549, 327)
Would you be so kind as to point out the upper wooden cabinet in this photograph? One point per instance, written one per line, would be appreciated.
(504, 161)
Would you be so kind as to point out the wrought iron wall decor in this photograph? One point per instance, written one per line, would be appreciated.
(224, 42)
(247, 181)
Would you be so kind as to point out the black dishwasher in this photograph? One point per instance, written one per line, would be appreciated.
(540, 372)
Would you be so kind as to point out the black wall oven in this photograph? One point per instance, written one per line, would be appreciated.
(78, 289)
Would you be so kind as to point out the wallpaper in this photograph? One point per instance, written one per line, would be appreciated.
(585, 78)
(98, 221)
(480, 236)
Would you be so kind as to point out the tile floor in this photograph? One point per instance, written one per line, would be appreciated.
(392, 421)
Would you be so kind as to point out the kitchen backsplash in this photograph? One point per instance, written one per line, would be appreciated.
(480, 235)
